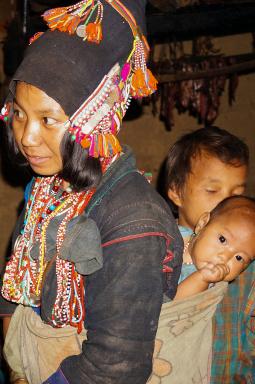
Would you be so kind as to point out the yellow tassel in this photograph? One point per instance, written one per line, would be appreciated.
(116, 147)
(55, 16)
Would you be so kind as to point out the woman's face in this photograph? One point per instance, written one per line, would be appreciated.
(38, 126)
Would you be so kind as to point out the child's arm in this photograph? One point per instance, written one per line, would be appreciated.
(199, 281)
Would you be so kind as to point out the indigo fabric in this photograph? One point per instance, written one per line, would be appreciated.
(122, 299)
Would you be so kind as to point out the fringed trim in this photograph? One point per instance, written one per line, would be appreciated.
(101, 145)
(97, 121)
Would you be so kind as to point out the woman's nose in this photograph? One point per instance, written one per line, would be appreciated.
(31, 135)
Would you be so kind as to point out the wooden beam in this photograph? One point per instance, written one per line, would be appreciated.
(248, 66)
(209, 20)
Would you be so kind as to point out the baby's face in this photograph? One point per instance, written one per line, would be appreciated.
(226, 239)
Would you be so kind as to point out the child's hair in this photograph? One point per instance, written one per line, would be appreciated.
(216, 141)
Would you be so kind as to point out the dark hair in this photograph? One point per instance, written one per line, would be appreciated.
(80, 170)
(216, 141)
(249, 204)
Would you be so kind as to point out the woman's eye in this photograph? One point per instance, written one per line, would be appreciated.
(18, 114)
(239, 258)
(211, 191)
(49, 121)
(222, 239)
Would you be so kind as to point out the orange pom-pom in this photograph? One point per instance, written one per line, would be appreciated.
(152, 81)
(85, 143)
(143, 84)
(94, 32)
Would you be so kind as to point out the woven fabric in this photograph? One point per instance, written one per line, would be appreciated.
(234, 333)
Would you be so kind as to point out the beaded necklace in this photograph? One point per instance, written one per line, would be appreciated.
(23, 277)
(186, 233)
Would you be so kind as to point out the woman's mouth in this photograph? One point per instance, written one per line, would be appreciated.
(36, 160)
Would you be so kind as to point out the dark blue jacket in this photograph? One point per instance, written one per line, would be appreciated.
(123, 299)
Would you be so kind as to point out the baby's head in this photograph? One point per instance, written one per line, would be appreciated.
(226, 236)
(203, 168)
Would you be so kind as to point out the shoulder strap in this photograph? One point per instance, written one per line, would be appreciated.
(98, 196)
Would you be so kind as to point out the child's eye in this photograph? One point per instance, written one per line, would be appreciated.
(222, 239)
(239, 258)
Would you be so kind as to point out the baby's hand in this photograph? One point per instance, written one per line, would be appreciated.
(212, 273)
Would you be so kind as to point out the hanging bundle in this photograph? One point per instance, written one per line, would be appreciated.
(143, 82)
(77, 18)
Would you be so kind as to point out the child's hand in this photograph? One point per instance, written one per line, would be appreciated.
(212, 273)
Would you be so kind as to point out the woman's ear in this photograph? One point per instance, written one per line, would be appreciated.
(175, 196)
(202, 221)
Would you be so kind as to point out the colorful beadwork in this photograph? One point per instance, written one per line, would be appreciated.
(4, 114)
(22, 282)
(95, 124)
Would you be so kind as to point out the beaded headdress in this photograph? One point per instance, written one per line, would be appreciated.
(117, 49)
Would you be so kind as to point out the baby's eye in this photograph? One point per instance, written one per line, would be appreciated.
(222, 239)
(239, 258)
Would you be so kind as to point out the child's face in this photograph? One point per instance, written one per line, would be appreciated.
(209, 182)
(227, 239)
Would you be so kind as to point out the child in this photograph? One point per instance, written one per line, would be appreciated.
(203, 168)
(221, 247)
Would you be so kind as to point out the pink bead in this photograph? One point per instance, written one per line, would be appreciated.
(125, 71)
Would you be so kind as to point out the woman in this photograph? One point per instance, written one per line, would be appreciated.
(94, 237)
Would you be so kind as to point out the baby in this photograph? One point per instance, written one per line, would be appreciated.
(221, 247)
